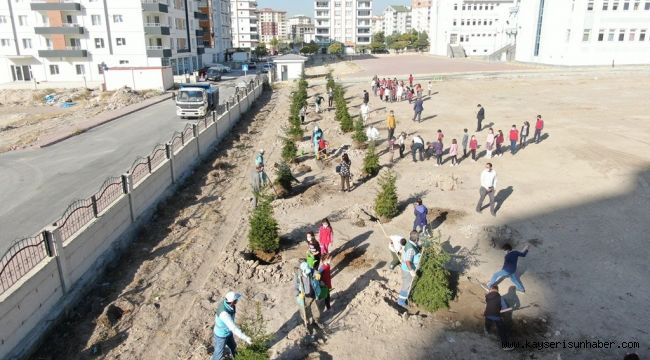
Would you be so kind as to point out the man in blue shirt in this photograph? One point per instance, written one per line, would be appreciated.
(509, 268)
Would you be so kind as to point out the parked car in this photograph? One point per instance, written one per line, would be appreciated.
(213, 74)
(267, 67)
(221, 68)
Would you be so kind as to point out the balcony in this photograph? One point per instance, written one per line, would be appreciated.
(201, 16)
(199, 33)
(154, 6)
(180, 51)
(363, 5)
(158, 52)
(155, 29)
(66, 29)
(322, 5)
(55, 6)
(70, 51)
(200, 50)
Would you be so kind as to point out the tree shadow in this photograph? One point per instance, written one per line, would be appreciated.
(501, 197)
(403, 205)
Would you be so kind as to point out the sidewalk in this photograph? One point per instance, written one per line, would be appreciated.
(67, 132)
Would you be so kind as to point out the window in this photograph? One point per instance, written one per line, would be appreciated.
(475, 6)
(474, 22)
(636, 5)
(462, 22)
(647, 5)
(120, 41)
(96, 20)
(621, 35)
(626, 5)
(117, 19)
(632, 35)
(80, 69)
(54, 69)
(48, 44)
(585, 35)
(3, 19)
(99, 43)
(124, 62)
(611, 34)
(568, 35)
(615, 5)
(27, 43)
(22, 20)
(45, 20)
(590, 5)
(463, 6)
(605, 5)
(480, 7)
(642, 35)
(455, 6)
(601, 34)
(5, 42)
(454, 22)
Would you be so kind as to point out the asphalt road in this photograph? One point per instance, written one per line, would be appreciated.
(37, 185)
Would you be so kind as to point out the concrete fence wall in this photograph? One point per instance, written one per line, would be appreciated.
(33, 304)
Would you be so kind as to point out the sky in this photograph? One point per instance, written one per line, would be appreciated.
(306, 7)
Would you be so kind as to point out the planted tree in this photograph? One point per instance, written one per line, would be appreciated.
(359, 135)
(371, 161)
(255, 327)
(284, 177)
(431, 288)
(289, 150)
(346, 122)
(263, 235)
(386, 200)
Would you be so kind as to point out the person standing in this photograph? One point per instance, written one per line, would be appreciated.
(420, 211)
(488, 183)
(489, 143)
(418, 107)
(345, 172)
(438, 149)
(306, 295)
(539, 126)
(401, 142)
(509, 267)
(417, 145)
(514, 136)
(303, 113)
(429, 87)
(373, 86)
(453, 152)
(330, 98)
(325, 271)
(316, 135)
(259, 167)
(391, 123)
(313, 251)
(480, 116)
(499, 142)
(411, 249)
(225, 327)
(366, 97)
(382, 89)
(365, 110)
(523, 134)
(395, 246)
(473, 145)
(325, 236)
(494, 306)
(464, 142)
(410, 80)
(319, 101)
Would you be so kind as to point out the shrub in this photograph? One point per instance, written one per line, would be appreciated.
(431, 288)
(386, 200)
(346, 123)
(359, 132)
(371, 162)
(330, 81)
(283, 176)
(263, 234)
(289, 150)
(255, 327)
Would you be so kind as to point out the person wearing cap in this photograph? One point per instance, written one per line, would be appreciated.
(316, 135)
(259, 166)
(306, 295)
(397, 243)
(411, 249)
(225, 327)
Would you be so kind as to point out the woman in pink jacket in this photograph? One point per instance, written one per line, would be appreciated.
(453, 152)
(325, 236)
(489, 143)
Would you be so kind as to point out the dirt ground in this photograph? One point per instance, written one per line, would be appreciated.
(579, 199)
(25, 115)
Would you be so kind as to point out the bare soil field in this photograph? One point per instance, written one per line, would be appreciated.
(25, 115)
(579, 199)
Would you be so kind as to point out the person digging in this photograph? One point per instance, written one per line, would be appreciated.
(225, 327)
(411, 250)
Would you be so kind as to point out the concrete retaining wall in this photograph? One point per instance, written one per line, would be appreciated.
(32, 305)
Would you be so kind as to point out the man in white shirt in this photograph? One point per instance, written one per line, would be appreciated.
(225, 327)
(395, 246)
(365, 110)
(417, 145)
(488, 183)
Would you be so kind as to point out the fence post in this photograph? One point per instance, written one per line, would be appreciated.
(126, 187)
(53, 237)
(195, 131)
(149, 163)
(93, 199)
(170, 155)
(216, 127)
(183, 137)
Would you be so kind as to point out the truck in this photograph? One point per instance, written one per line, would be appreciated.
(196, 100)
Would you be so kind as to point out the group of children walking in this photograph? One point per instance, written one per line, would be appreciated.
(392, 90)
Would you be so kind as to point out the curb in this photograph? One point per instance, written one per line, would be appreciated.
(90, 127)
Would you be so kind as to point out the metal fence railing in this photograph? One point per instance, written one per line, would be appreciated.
(24, 254)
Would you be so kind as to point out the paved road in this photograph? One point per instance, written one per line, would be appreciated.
(37, 185)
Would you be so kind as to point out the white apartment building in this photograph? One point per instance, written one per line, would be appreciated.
(420, 15)
(584, 32)
(272, 24)
(222, 29)
(300, 28)
(397, 20)
(478, 27)
(245, 32)
(377, 24)
(75, 40)
(345, 21)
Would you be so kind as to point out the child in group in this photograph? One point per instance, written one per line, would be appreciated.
(401, 142)
(429, 151)
(453, 151)
(439, 135)
(438, 148)
(473, 145)
(325, 271)
(465, 140)
(313, 251)
(499, 142)
(489, 143)
(322, 148)
(523, 134)
(325, 236)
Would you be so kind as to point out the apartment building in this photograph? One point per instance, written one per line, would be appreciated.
(221, 30)
(376, 24)
(397, 19)
(272, 24)
(420, 15)
(584, 32)
(245, 29)
(300, 28)
(345, 21)
(475, 28)
(76, 40)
